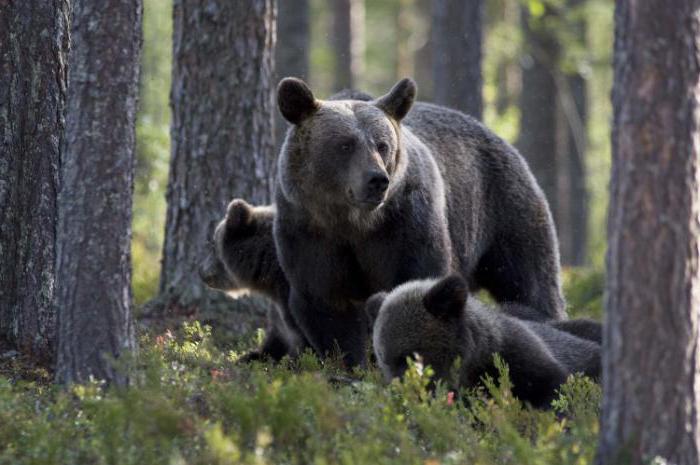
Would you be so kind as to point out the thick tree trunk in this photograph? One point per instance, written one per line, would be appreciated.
(537, 140)
(93, 289)
(222, 141)
(348, 42)
(650, 362)
(291, 52)
(457, 39)
(33, 51)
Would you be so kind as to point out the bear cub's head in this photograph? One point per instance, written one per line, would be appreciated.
(424, 318)
(341, 155)
(238, 241)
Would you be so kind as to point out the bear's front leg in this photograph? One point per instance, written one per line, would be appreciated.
(338, 328)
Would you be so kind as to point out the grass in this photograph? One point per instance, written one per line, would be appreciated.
(190, 403)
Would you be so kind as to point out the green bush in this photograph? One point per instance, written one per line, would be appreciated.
(190, 403)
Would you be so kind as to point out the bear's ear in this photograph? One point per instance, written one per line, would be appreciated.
(295, 100)
(239, 215)
(399, 100)
(373, 305)
(447, 297)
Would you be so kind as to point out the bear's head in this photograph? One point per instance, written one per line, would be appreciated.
(238, 242)
(341, 155)
(419, 318)
(213, 272)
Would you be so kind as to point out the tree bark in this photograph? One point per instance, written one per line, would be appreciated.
(222, 141)
(291, 52)
(348, 42)
(457, 38)
(93, 291)
(650, 361)
(33, 50)
(537, 140)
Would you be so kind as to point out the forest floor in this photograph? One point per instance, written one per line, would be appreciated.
(189, 402)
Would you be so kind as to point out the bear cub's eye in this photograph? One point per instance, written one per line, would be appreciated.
(382, 147)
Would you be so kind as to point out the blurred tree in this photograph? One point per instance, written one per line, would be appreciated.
(32, 101)
(572, 99)
(651, 340)
(291, 51)
(222, 141)
(93, 265)
(424, 52)
(537, 140)
(457, 38)
(347, 34)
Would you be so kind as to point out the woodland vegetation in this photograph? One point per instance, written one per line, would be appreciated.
(112, 350)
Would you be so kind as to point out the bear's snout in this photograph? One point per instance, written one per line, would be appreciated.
(376, 184)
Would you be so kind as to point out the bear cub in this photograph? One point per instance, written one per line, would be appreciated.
(242, 256)
(437, 320)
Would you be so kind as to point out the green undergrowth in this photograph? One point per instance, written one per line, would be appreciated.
(190, 403)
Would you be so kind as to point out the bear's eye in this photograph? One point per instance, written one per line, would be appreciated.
(382, 147)
(347, 146)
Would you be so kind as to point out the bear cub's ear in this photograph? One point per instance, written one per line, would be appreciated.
(447, 297)
(239, 215)
(295, 100)
(373, 305)
(399, 100)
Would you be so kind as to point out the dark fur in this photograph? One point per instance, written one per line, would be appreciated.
(436, 320)
(243, 256)
(459, 199)
(581, 327)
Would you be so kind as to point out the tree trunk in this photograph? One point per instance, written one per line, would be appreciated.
(424, 53)
(93, 289)
(348, 42)
(537, 140)
(33, 51)
(222, 141)
(650, 361)
(291, 52)
(457, 41)
(573, 191)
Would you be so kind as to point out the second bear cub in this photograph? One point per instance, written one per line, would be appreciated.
(436, 320)
(244, 257)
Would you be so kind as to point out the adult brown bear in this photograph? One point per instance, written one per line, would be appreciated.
(371, 194)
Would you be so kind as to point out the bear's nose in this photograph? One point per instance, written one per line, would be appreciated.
(378, 182)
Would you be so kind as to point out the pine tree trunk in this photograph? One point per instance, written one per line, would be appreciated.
(573, 216)
(222, 141)
(424, 54)
(93, 289)
(573, 191)
(537, 140)
(33, 52)
(457, 39)
(291, 52)
(651, 344)
(348, 42)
